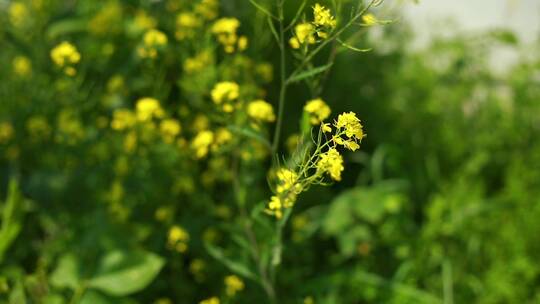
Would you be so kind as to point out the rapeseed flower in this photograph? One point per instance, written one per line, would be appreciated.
(201, 143)
(22, 66)
(148, 108)
(233, 284)
(224, 93)
(212, 300)
(261, 110)
(318, 111)
(177, 239)
(332, 163)
(123, 119)
(322, 16)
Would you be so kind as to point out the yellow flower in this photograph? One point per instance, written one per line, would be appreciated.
(224, 93)
(275, 207)
(148, 108)
(123, 119)
(318, 111)
(351, 124)
(186, 24)
(233, 284)
(143, 21)
(332, 163)
(226, 26)
(323, 17)
(170, 128)
(152, 41)
(304, 33)
(154, 38)
(38, 127)
(18, 14)
(197, 63)
(202, 142)
(222, 137)
(6, 132)
(369, 19)
(65, 54)
(212, 300)
(22, 66)
(261, 110)
(326, 128)
(208, 9)
(225, 30)
(294, 43)
(242, 43)
(286, 180)
(177, 239)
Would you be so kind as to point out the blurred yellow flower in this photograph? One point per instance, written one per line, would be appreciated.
(225, 30)
(123, 119)
(261, 110)
(318, 111)
(177, 239)
(224, 93)
(18, 14)
(233, 284)
(369, 19)
(212, 300)
(65, 54)
(148, 108)
(208, 9)
(6, 132)
(202, 142)
(22, 66)
(170, 128)
(186, 25)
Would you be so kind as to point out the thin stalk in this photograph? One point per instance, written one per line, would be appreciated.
(283, 83)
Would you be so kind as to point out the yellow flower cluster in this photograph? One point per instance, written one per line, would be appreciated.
(349, 125)
(317, 110)
(288, 187)
(170, 128)
(198, 62)
(212, 300)
(123, 119)
(323, 17)
(260, 110)
(149, 108)
(224, 94)
(202, 142)
(225, 30)
(304, 33)
(178, 239)
(369, 19)
(324, 160)
(208, 9)
(233, 284)
(18, 14)
(331, 162)
(65, 55)
(187, 24)
(153, 40)
(6, 132)
(22, 66)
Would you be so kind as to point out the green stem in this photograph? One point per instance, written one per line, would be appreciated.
(283, 83)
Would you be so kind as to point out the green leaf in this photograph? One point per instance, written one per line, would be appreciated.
(66, 274)
(309, 73)
(122, 273)
(17, 295)
(11, 217)
(234, 266)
